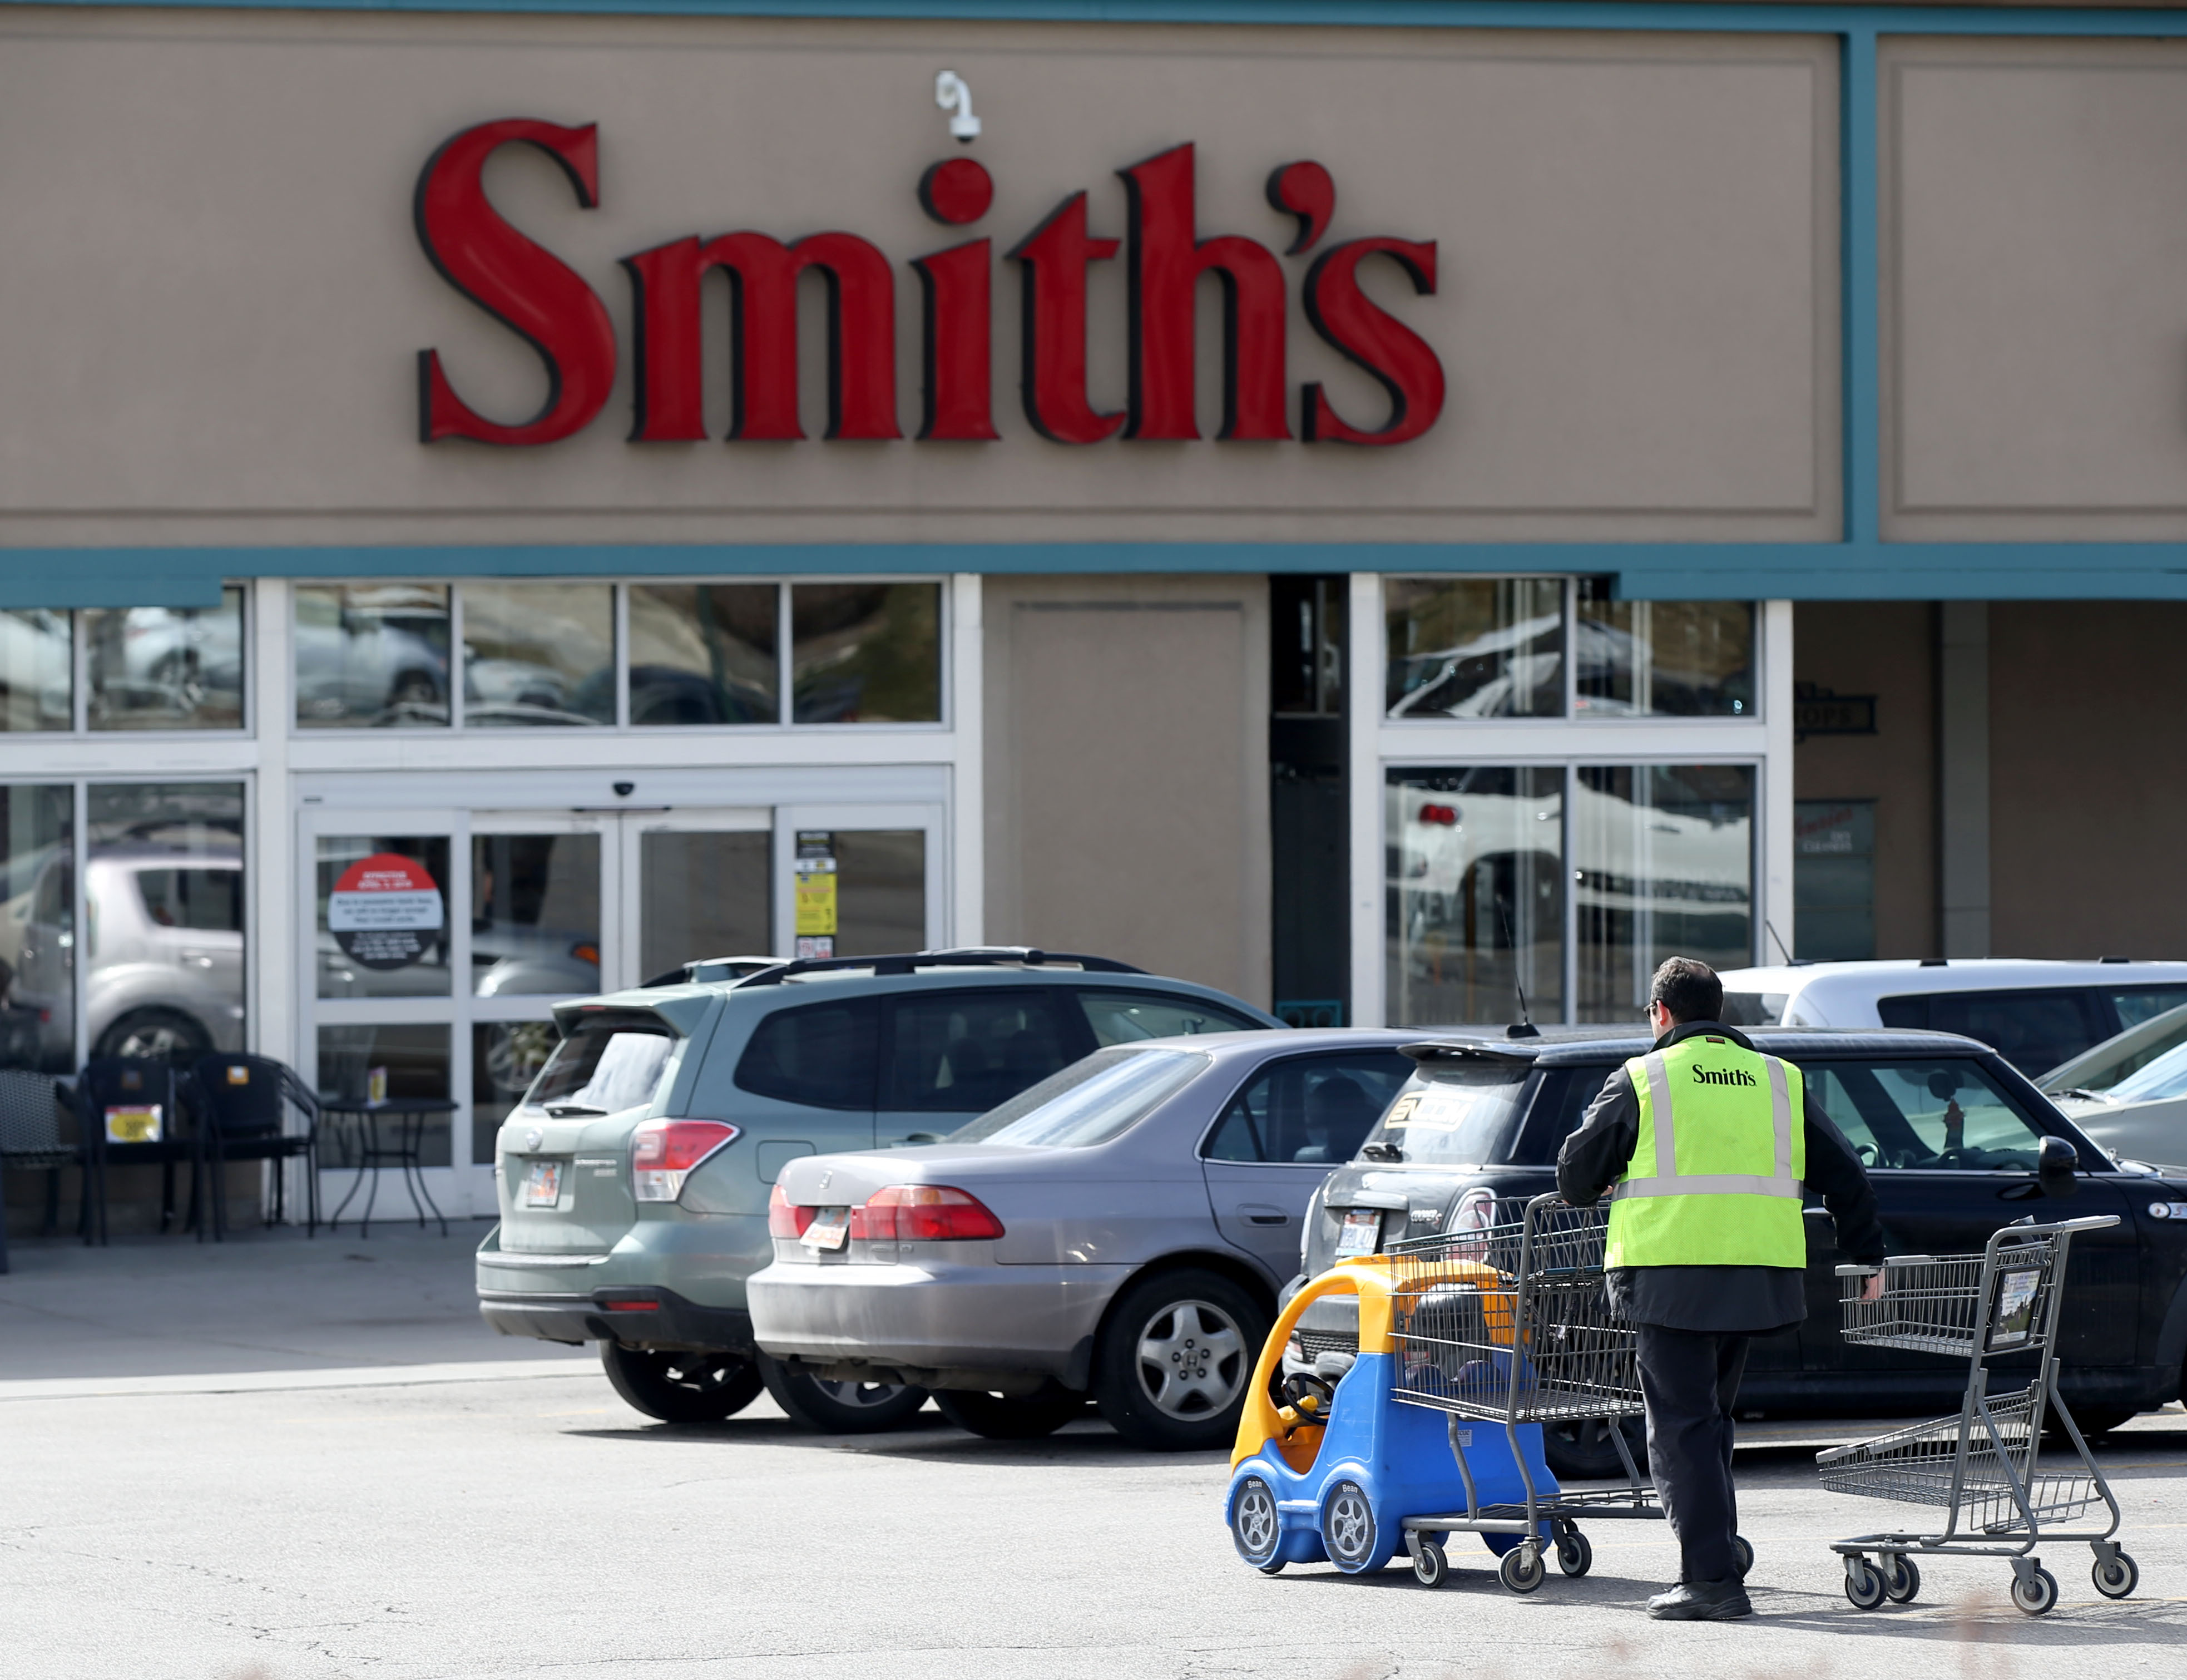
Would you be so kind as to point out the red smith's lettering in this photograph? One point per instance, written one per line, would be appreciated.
(542, 301)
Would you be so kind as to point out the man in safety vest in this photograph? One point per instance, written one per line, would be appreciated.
(1708, 1143)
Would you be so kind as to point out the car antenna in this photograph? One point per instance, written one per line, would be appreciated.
(1774, 935)
(1524, 1027)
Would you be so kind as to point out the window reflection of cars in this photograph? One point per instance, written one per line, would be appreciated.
(1514, 670)
(165, 659)
(2129, 1092)
(164, 952)
(374, 665)
(506, 961)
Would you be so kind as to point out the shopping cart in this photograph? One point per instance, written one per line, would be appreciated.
(1983, 1467)
(1537, 1345)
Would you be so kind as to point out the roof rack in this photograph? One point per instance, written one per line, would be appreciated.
(968, 957)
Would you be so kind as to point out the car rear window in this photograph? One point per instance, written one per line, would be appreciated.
(606, 1068)
(1090, 1102)
(1456, 1112)
(2034, 1030)
(820, 1055)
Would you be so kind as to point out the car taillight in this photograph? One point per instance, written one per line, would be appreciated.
(1475, 1211)
(663, 1152)
(923, 1213)
(785, 1218)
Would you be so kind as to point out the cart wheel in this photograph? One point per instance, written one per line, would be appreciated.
(1429, 1564)
(1902, 1578)
(2116, 1577)
(1863, 1586)
(2036, 1593)
(1347, 1527)
(1745, 1547)
(1575, 1555)
(1255, 1526)
(1521, 1569)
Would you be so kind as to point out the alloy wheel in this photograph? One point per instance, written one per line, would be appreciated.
(1192, 1359)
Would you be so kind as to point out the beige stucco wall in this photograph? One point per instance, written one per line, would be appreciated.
(2035, 324)
(1128, 772)
(216, 295)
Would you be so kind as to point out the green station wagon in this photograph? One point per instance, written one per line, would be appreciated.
(634, 1176)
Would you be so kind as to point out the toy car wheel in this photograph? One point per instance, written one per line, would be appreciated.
(1347, 1527)
(1863, 1586)
(1575, 1553)
(1430, 1563)
(1745, 1549)
(2116, 1576)
(1521, 1569)
(1255, 1525)
(1901, 1579)
(2036, 1593)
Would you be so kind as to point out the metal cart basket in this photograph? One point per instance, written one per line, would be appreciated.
(1511, 1324)
(1982, 1467)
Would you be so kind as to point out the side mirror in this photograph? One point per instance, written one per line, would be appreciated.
(2055, 1161)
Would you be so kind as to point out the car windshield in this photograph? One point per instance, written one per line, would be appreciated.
(1090, 1102)
(2165, 1076)
(1456, 1113)
(1940, 1113)
(604, 1070)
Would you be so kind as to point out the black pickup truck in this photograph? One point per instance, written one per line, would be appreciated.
(1951, 1136)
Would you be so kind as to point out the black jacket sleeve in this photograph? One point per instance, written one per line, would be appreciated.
(1595, 1156)
(1835, 1170)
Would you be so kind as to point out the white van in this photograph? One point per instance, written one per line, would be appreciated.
(2034, 1014)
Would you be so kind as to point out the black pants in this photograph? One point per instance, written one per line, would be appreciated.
(1689, 1380)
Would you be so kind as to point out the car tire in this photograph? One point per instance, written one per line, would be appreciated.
(1009, 1417)
(839, 1407)
(2095, 1421)
(1580, 1449)
(1176, 1359)
(155, 1034)
(681, 1388)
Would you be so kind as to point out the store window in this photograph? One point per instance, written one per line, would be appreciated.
(165, 667)
(37, 936)
(164, 933)
(1475, 898)
(1663, 865)
(1834, 878)
(1466, 647)
(373, 655)
(538, 653)
(360, 1064)
(705, 653)
(1662, 659)
(37, 671)
(865, 653)
(383, 922)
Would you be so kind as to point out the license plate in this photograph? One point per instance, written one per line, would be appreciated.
(1362, 1233)
(830, 1229)
(542, 1184)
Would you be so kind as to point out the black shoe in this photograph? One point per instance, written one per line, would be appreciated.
(1702, 1601)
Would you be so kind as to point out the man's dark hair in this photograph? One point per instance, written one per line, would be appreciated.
(1689, 989)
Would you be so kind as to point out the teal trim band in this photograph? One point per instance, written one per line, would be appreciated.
(1798, 572)
(1599, 14)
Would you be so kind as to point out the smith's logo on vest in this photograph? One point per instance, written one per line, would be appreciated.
(1723, 1077)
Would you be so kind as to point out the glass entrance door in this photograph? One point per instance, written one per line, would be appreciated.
(439, 940)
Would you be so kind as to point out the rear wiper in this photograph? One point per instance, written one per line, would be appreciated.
(571, 1111)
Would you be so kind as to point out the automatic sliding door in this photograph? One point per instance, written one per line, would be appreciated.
(863, 880)
(704, 888)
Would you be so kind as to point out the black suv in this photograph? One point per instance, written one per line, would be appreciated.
(1944, 1182)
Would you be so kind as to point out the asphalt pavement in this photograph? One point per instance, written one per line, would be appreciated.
(421, 1514)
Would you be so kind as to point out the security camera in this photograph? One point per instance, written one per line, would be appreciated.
(950, 93)
(625, 789)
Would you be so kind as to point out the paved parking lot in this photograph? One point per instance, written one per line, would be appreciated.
(430, 1519)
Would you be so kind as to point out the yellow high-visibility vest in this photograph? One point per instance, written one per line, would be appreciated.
(1715, 1177)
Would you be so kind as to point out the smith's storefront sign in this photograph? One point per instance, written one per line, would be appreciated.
(545, 302)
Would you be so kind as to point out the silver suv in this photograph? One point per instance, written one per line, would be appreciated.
(634, 1176)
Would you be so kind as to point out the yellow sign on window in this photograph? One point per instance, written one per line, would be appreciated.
(816, 895)
(138, 1124)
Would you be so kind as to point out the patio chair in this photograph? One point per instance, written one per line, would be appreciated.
(245, 1102)
(30, 1141)
(129, 1114)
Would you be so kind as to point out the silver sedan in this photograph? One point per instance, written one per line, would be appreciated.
(1117, 1232)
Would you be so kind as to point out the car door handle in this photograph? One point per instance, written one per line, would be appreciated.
(1259, 1213)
